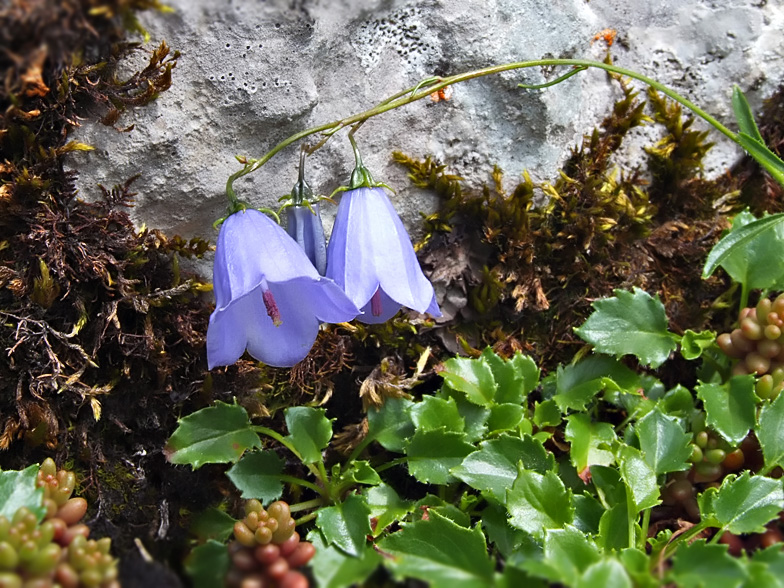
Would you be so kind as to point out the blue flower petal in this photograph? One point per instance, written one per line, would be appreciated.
(260, 271)
(370, 249)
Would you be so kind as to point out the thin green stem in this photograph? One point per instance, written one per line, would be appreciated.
(391, 464)
(306, 519)
(646, 522)
(301, 482)
(430, 85)
(306, 505)
(360, 448)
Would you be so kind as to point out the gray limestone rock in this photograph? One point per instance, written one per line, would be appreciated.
(255, 72)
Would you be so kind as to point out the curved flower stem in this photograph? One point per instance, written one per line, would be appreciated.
(301, 482)
(391, 464)
(433, 84)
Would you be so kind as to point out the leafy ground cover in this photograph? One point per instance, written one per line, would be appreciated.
(600, 406)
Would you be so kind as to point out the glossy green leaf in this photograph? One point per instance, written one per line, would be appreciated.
(18, 489)
(587, 513)
(764, 156)
(568, 552)
(755, 264)
(440, 552)
(743, 114)
(333, 568)
(494, 467)
(473, 377)
(257, 475)
(309, 431)
(360, 472)
(347, 524)
(590, 442)
(578, 384)
(630, 323)
(207, 564)
(698, 565)
(731, 407)
(610, 488)
(770, 432)
(746, 503)
(615, 528)
(743, 244)
(386, 506)
(515, 377)
(508, 417)
(607, 573)
(639, 477)
(217, 434)
(431, 454)
(433, 413)
(547, 414)
(665, 446)
(694, 343)
(391, 425)
(537, 502)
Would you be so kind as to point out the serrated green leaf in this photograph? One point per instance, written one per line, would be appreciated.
(217, 434)
(508, 417)
(347, 524)
(309, 431)
(743, 114)
(664, 444)
(474, 416)
(639, 477)
(538, 502)
(615, 528)
(677, 402)
(431, 454)
(18, 489)
(433, 413)
(257, 475)
(507, 539)
(745, 504)
(333, 568)
(441, 553)
(577, 384)
(730, 408)
(609, 485)
(547, 414)
(770, 433)
(514, 378)
(590, 442)
(494, 467)
(208, 564)
(697, 565)
(739, 242)
(567, 554)
(607, 573)
(587, 513)
(360, 472)
(755, 264)
(772, 560)
(391, 425)
(629, 323)
(473, 377)
(386, 506)
(694, 343)
(764, 156)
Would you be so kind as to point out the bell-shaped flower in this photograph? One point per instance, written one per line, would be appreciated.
(371, 257)
(269, 298)
(304, 225)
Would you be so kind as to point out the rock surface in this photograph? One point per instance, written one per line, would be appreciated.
(253, 73)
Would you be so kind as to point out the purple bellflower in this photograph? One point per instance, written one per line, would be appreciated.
(269, 299)
(370, 254)
(303, 221)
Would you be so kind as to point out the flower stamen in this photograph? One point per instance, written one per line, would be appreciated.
(270, 304)
(375, 303)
